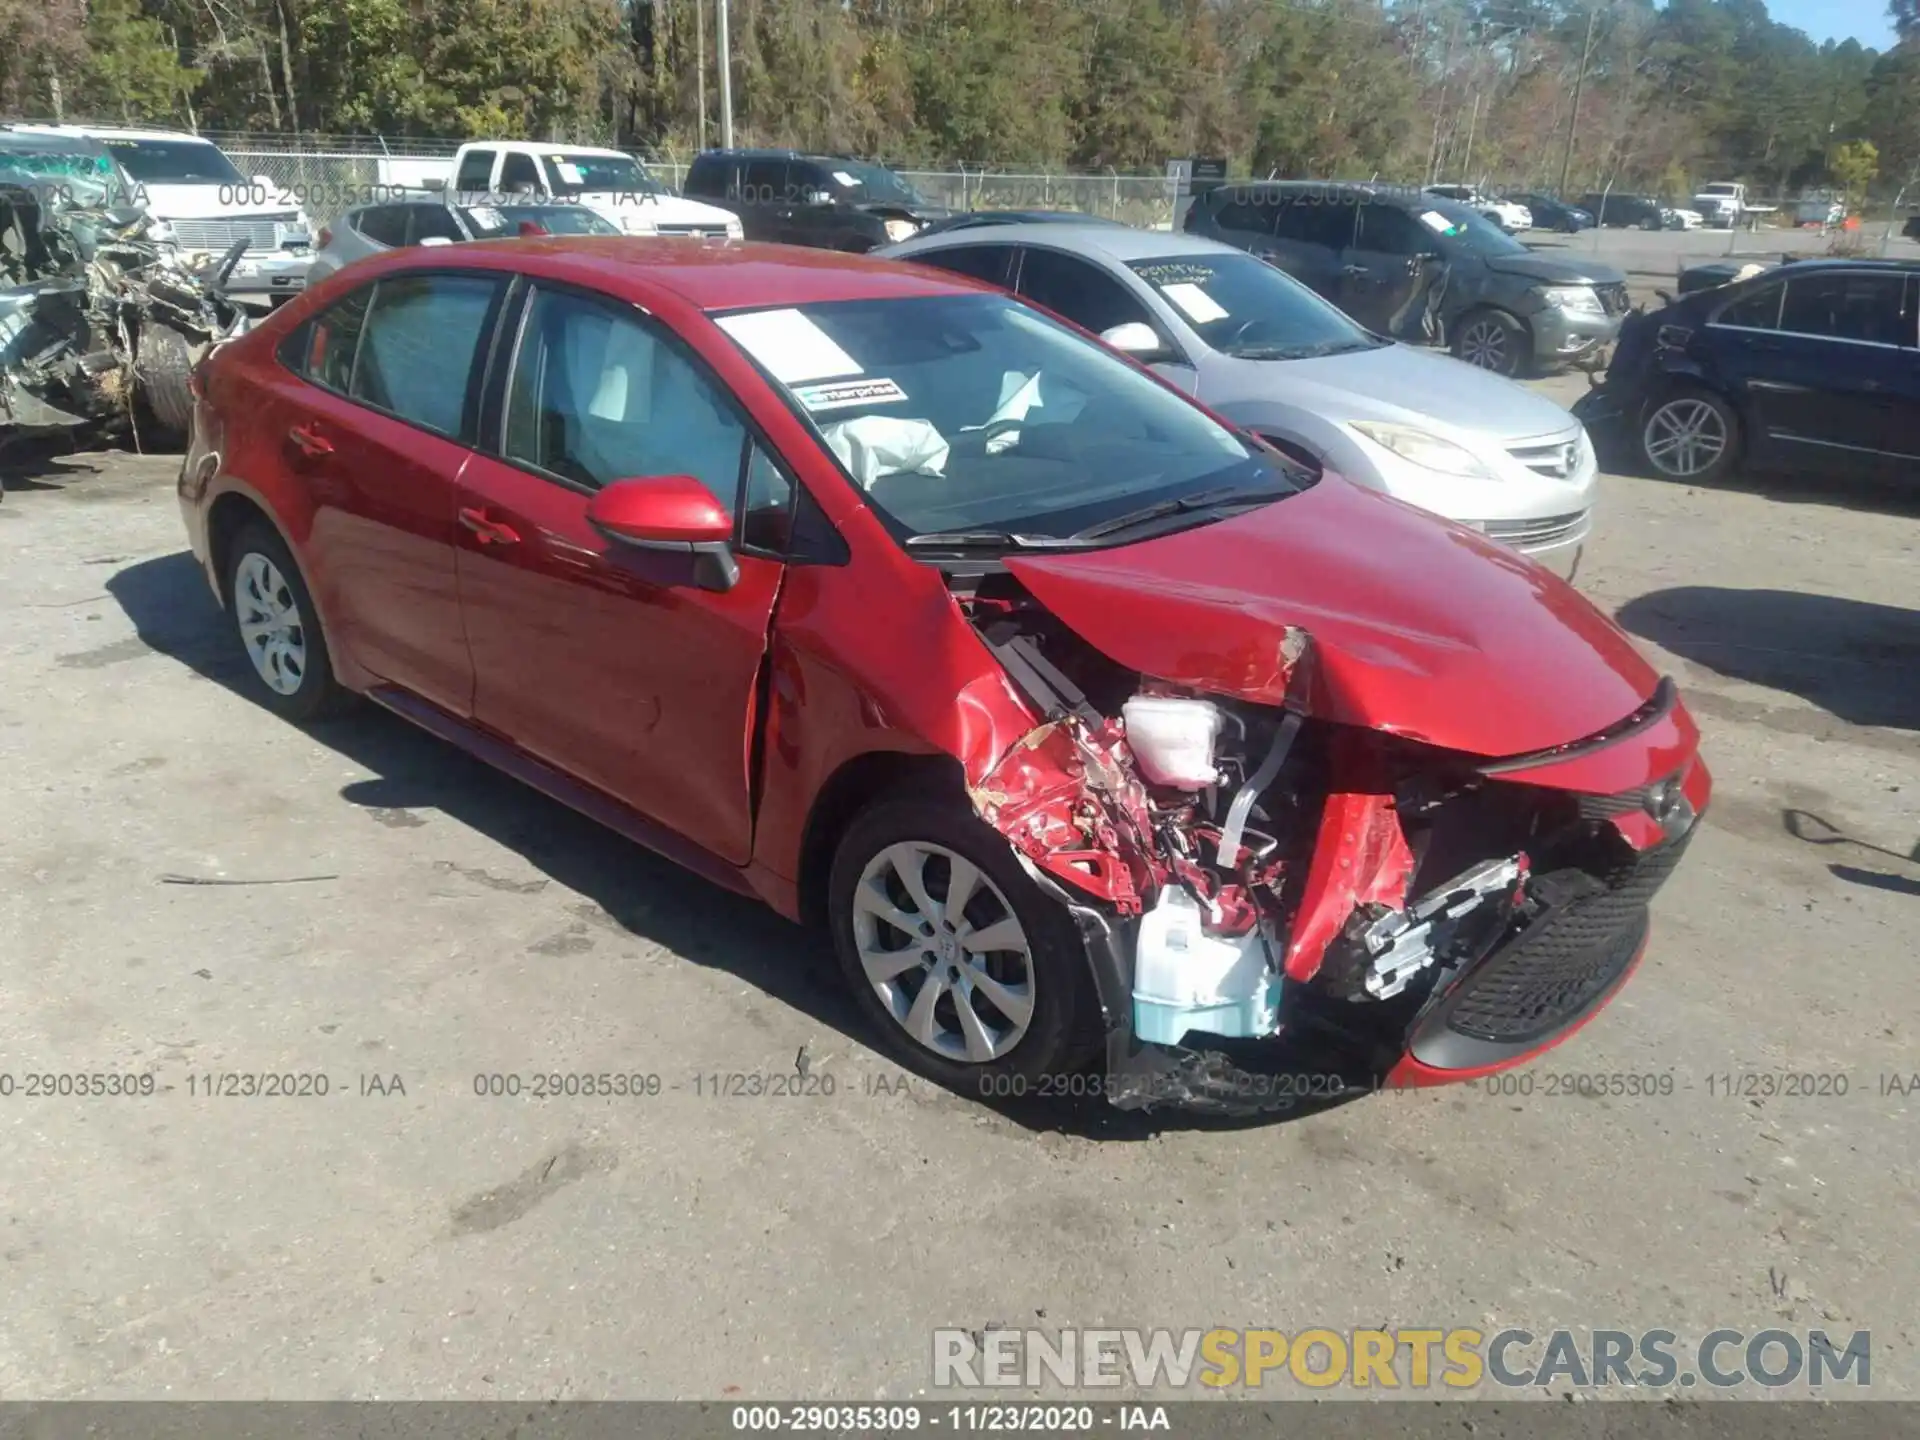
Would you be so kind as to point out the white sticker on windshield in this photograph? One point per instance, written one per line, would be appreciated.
(843, 393)
(790, 345)
(569, 172)
(844, 178)
(1199, 306)
(1435, 221)
(487, 218)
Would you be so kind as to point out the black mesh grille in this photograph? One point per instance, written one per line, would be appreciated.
(1561, 963)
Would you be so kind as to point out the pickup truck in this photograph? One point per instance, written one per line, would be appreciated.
(610, 182)
(1724, 204)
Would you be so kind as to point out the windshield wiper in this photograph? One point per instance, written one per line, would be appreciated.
(987, 540)
(1203, 500)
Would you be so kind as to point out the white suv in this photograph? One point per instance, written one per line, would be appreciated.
(189, 185)
(611, 183)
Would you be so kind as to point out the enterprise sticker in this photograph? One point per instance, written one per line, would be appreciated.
(841, 394)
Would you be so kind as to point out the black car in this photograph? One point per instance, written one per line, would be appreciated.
(1912, 228)
(1621, 210)
(1408, 264)
(1813, 366)
(976, 219)
(1551, 214)
(831, 202)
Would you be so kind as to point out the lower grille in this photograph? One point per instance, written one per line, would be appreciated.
(1537, 534)
(1549, 975)
(693, 232)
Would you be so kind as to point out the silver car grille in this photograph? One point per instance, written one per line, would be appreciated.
(261, 232)
(1539, 533)
(1558, 460)
(695, 232)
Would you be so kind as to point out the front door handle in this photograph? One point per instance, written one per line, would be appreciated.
(310, 440)
(1355, 270)
(487, 531)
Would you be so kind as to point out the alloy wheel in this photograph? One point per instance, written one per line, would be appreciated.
(1484, 343)
(944, 951)
(1685, 437)
(270, 624)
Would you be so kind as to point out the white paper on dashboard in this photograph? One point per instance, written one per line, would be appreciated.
(1199, 306)
(1434, 220)
(790, 345)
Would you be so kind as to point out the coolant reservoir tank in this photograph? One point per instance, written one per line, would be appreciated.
(1172, 739)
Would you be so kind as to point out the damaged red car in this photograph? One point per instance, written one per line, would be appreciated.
(1106, 741)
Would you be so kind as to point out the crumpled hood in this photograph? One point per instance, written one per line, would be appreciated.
(1422, 628)
(1558, 269)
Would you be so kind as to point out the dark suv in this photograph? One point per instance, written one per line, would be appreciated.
(1406, 264)
(831, 202)
(1620, 210)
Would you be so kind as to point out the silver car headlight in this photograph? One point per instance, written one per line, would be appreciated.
(634, 223)
(1575, 299)
(1429, 452)
(898, 230)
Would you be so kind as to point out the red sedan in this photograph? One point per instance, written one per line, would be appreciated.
(1091, 729)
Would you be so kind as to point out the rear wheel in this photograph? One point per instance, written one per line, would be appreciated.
(970, 973)
(279, 629)
(1690, 434)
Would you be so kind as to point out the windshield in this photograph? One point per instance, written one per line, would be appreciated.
(63, 177)
(175, 162)
(1244, 307)
(576, 173)
(490, 221)
(957, 414)
(871, 182)
(1462, 228)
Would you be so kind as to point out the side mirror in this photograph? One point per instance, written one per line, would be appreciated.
(819, 197)
(1135, 338)
(674, 517)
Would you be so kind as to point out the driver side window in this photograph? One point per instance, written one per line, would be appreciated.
(1088, 297)
(596, 396)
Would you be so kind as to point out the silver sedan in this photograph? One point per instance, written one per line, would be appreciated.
(1268, 354)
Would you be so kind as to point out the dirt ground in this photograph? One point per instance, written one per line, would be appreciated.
(410, 921)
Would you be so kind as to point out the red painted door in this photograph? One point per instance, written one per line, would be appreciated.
(374, 433)
(597, 658)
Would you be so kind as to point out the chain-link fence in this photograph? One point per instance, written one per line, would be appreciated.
(327, 182)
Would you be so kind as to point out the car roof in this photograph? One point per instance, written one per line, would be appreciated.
(109, 132)
(709, 276)
(544, 148)
(1123, 243)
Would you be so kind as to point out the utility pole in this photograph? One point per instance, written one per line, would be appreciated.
(726, 74)
(700, 66)
(1573, 115)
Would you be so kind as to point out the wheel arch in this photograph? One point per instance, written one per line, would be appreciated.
(857, 784)
(226, 518)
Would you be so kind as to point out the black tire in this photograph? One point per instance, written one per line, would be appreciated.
(163, 359)
(1061, 1034)
(315, 693)
(1683, 406)
(1493, 340)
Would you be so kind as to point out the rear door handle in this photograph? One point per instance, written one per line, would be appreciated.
(488, 531)
(1355, 270)
(309, 439)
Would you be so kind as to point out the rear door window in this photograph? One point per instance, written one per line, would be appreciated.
(980, 262)
(1251, 212)
(1759, 310)
(476, 171)
(383, 224)
(764, 182)
(1325, 221)
(336, 341)
(417, 355)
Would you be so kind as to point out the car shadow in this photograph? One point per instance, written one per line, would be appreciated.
(1858, 660)
(644, 895)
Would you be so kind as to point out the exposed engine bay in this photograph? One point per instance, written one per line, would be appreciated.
(1253, 873)
(100, 321)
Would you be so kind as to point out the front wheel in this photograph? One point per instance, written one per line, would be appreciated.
(1492, 340)
(970, 972)
(1690, 434)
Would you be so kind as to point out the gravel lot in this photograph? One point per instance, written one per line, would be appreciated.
(440, 922)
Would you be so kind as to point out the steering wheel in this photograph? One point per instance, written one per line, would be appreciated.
(1245, 328)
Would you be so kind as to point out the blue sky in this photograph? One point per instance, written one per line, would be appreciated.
(1862, 20)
